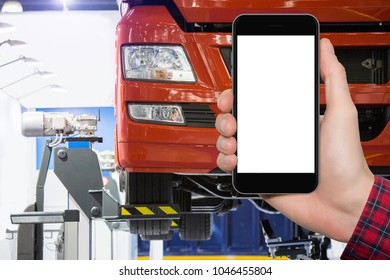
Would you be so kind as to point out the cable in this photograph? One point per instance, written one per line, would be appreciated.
(57, 140)
(52, 144)
(60, 140)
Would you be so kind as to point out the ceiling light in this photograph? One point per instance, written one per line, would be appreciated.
(57, 88)
(5, 27)
(12, 7)
(14, 43)
(65, 5)
(27, 60)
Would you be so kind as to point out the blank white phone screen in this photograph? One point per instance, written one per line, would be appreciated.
(276, 103)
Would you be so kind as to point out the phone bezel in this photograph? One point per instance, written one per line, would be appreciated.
(277, 24)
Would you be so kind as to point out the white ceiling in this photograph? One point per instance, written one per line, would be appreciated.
(78, 46)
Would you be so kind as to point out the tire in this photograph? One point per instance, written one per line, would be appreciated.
(149, 188)
(195, 227)
(167, 236)
(183, 199)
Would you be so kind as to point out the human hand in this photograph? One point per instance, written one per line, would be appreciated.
(334, 208)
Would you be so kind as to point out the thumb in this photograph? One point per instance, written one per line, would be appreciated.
(333, 74)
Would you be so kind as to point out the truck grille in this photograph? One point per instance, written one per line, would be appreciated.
(363, 65)
(198, 115)
(227, 58)
(376, 70)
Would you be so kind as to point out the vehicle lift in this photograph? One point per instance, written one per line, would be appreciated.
(77, 167)
(79, 171)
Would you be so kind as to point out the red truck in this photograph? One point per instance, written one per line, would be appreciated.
(173, 60)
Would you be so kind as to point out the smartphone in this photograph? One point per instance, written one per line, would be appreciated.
(276, 103)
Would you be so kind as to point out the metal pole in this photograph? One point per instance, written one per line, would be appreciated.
(156, 250)
(40, 197)
(71, 241)
(13, 61)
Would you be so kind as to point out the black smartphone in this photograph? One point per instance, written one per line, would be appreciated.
(276, 103)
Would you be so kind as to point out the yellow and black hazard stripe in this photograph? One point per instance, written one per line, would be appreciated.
(175, 224)
(150, 211)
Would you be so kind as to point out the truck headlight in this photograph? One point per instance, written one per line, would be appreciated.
(169, 114)
(156, 62)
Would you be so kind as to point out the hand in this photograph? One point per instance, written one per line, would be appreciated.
(334, 208)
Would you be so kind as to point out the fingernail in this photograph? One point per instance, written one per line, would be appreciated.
(219, 102)
(329, 46)
(223, 145)
(222, 125)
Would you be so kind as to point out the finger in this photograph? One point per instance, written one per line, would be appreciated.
(226, 162)
(226, 124)
(225, 101)
(227, 145)
(334, 76)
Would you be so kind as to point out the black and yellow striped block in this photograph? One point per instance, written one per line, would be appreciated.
(149, 211)
(175, 224)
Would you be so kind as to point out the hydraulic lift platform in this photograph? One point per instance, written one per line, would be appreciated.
(79, 171)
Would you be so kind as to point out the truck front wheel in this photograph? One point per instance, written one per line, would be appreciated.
(149, 188)
(195, 227)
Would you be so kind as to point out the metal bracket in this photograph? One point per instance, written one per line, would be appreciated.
(372, 63)
(79, 172)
